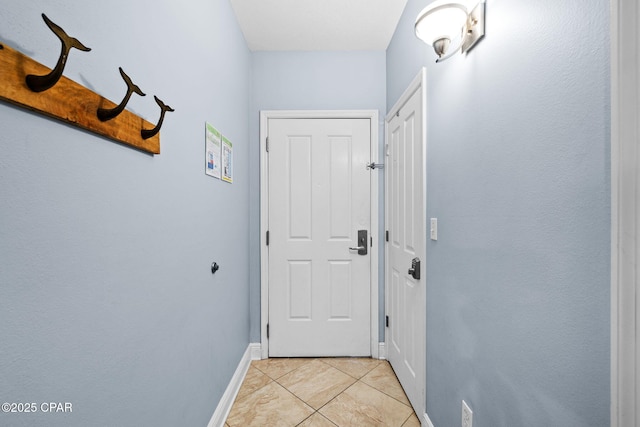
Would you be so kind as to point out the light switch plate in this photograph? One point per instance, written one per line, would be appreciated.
(434, 228)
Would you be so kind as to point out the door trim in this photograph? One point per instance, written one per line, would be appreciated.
(418, 83)
(625, 194)
(265, 115)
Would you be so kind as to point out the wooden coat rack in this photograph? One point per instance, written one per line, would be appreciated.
(29, 84)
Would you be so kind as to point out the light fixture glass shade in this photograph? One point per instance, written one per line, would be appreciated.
(440, 20)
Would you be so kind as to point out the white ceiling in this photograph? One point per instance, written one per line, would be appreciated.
(318, 24)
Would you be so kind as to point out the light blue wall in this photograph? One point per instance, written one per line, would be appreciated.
(107, 299)
(349, 80)
(518, 177)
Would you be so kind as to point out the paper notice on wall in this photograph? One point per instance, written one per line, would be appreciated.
(213, 144)
(227, 160)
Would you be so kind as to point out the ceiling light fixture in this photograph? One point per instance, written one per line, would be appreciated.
(444, 21)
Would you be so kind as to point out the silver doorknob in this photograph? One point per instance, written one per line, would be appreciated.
(359, 248)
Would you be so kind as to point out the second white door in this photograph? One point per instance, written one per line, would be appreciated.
(406, 303)
(319, 211)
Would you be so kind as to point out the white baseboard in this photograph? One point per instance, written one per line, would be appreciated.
(226, 402)
(256, 351)
(427, 421)
(382, 351)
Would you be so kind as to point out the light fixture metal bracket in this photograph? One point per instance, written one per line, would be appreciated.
(474, 27)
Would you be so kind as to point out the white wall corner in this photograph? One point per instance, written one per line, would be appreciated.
(625, 194)
(426, 422)
(226, 402)
(382, 351)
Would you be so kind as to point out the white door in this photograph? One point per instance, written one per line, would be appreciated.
(406, 302)
(319, 200)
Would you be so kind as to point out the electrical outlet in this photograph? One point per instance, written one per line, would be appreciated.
(467, 415)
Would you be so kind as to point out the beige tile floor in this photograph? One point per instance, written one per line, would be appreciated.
(325, 392)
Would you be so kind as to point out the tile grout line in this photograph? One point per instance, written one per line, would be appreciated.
(363, 383)
(309, 360)
(388, 395)
(288, 391)
(330, 400)
(320, 415)
(254, 391)
(318, 410)
(291, 393)
(410, 415)
(345, 372)
(384, 392)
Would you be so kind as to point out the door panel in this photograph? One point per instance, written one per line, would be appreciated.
(340, 295)
(299, 292)
(406, 222)
(299, 201)
(340, 150)
(319, 197)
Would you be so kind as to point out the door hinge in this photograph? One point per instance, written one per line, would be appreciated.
(267, 331)
(267, 144)
(386, 321)
(267, 237)
(386, 235)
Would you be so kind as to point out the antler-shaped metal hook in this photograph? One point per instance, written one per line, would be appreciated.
(42, 83)
(105, 114)
(148, 133)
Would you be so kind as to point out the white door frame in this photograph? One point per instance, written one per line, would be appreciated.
(418, 83)
(265, 115)
(625, 224)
